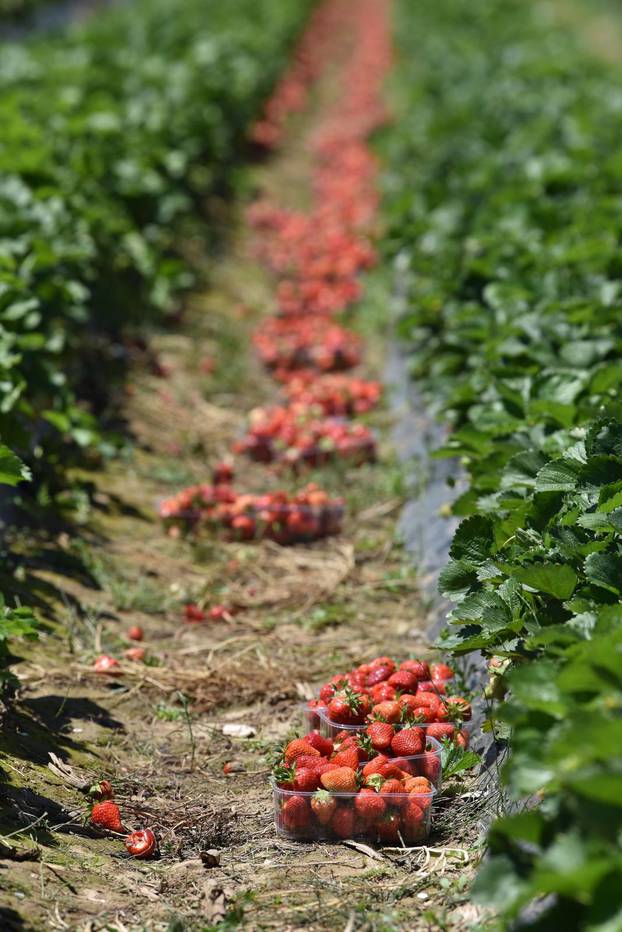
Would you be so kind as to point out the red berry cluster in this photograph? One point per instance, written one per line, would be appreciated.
(334, 394)
(385, 701)
(340, 789)
(106, 815)
(297, 435)
(304, 516)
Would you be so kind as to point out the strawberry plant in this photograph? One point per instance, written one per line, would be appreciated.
(507, 233)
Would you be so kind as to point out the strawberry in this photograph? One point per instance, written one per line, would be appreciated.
(440, 671)
(220, 613)
(387, 711)
(297, 747)
(309, 761)
(392, 786)
(321, 744)
(339, 710)
(375, 765)
(430, 767)
(136, 654)
(222, 474)
(107, 815)
(418, 785)
(441, 730)
(142, 844)
(408, 742)
(406, 765)
(382, 691)
(378, 675)
(342, 822)
(323, 806)
(193, 614)
(433, 686)
(390, 770)
(459, 709)
(340, 780)
(413, 821)
(347, 758)
(101, 790)
(369, 806)
(408, 704)
(388, 827)
(306, 780)
(462, 738)
(380, 734)
(404, 680)
(295, 813)
(419, 667)
(135, 633)
(107, 665)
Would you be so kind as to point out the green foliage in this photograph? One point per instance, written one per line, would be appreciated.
(506, 229)
(114, 138)
(18, 622)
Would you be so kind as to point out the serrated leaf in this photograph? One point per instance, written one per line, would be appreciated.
(605, 570)
(12, 470)
(558, 580)
(473, 541)
(557, 476)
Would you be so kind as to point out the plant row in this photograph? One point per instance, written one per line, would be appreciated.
(504, 196)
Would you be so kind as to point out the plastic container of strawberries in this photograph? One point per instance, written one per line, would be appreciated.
(404, 819)
(329, 729)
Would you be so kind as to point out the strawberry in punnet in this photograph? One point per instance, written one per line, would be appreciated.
(346, 758)
(388, 827)
(340, 780)
(379, 674)
(442, 730)
(295, 813)
(382, 691)
(381, 735)
(306, 780)
(323, 806)
(297, 747)
(419, 667)
(433, 686)
(321, 744)
(374, 766)
(459, 709)
(387, 711)
(107, 815)
(343, 821)
(430, 767)
(310, 761)
(408, 705)
(135, 633)
(107, 665)
(369, 806)
(390, 770)
(440, 671)
(417, 785)
(404, 680)
(413, 821)
(142, 844)
(408, 742)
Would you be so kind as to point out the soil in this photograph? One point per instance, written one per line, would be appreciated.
(157, 731)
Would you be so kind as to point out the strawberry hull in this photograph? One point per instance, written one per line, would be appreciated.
(394, 819)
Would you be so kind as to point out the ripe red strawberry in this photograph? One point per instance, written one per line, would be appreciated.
(418, 785)
(404, 680)
(413, 821)
(392, 786)
(459, 709)
(430, 767)
(441, 730)
(383, 662)
(369, 806)
(342, 822)
(323, 806)
(462, 738)
(381, 692)
(408, 703)
(306, 780)
(141, 844)
(310, 761)
(295, 813)
(321, 744)
(193, 614)
(419, 667)
(107, 665)
(378, 675)
(440, 671)
(388, 827)
(339, 710)
(408, 742)
(107, 815)
(135, 633)
(347, 758)
(381, 734)
(390, 770)
(375, 765)
(297, 747)
(387, 711)
(433, 686)
(340, 780)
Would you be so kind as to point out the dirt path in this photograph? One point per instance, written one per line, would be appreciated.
(599, 30)
(157, 731)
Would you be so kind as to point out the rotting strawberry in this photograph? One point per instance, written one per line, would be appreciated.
(323, 806)
(135, 654)
(142, 844)
(220, 613)
(193, 614)
(340, 780)
(107, 815)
